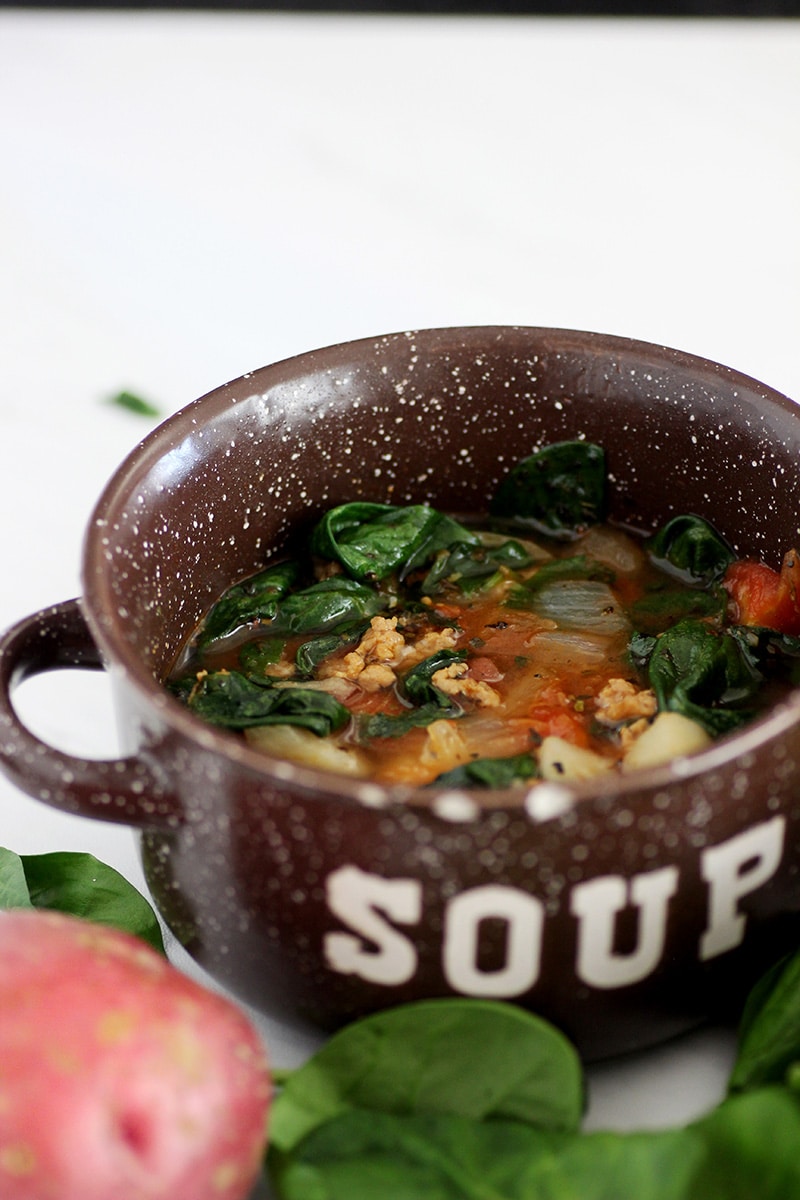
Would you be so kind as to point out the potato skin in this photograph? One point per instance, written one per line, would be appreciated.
(120, 1077)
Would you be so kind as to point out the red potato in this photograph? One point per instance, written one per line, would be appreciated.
(120, 1078)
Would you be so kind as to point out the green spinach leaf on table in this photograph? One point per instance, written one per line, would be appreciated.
(751, 1148)
(769, 1032)
(361, 1156)
(421, 1058)
(80, 885)
(476, 1100)
(133, 402)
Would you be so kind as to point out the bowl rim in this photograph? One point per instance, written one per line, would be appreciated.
(122, 660)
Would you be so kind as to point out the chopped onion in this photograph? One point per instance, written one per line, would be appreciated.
(585, 604)
(612, 548)
(444, 747)
(341, 689)
(304, 747)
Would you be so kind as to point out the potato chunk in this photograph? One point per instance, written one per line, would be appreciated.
(561, 760)
(671, 735)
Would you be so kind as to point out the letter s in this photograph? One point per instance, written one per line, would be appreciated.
(379, 953)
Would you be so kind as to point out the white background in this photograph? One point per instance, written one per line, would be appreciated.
(185, 197)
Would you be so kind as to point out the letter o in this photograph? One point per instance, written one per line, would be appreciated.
(524, 918)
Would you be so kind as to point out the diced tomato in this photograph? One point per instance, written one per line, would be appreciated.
(450, 612)
(761, 596)
(557, 721)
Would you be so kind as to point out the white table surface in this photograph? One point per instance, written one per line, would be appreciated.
(184, 197)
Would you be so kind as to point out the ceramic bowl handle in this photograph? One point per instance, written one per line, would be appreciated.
(124, 790)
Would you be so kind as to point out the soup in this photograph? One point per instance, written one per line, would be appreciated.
(535, 641)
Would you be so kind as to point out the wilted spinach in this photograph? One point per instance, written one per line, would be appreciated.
(704, 673)
(491, 772)
(689, 547)
(663, 606)
(418, 685)
(256, 657)
(234, 701)
(559, 490)
(255, 599)
(325, 605)
(272, 599)
(427, 703)
(469, 567)
(374, 541)
(311, 653)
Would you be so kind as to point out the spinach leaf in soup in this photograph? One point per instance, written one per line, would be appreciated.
(418, 684)
(311, 653)
(233, 701)
(324, 605)
(689, 547)
(769, 651)
(469, 568)
(491, 772)
(428, 702)
(666, 604)
(373, 726)
(255, 599)
(375, 541)
(257, 657)
(558, 490)
(702, 673)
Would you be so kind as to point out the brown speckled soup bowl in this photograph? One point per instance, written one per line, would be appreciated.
(624, 909)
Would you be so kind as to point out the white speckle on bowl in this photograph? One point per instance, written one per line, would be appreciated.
(284, 770)
(371, 796)
(546, 801)
(455, 806)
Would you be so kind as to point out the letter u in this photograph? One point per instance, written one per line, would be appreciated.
(597, 903)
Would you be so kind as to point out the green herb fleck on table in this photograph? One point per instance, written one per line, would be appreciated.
(135, 404)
